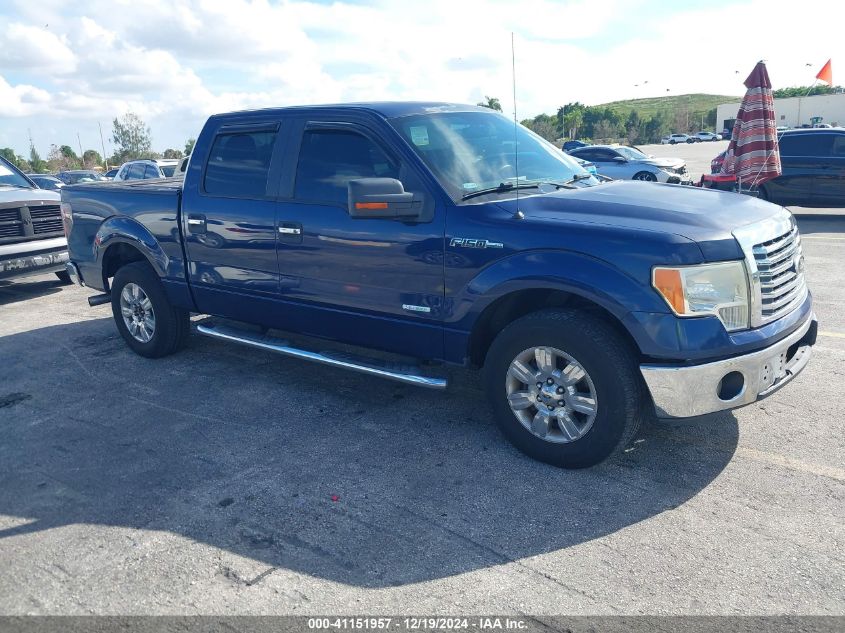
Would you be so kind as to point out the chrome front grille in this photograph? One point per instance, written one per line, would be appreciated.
(780, 265)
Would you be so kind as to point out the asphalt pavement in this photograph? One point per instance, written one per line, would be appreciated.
(233, 481)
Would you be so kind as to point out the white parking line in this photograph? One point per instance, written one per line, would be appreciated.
(790, 462)
(833, 334)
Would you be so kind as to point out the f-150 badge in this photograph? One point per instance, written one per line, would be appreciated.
(469, 242)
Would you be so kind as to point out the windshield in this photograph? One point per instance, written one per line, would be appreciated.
(474, 151)
(630, 153)
(11, 177)
(168, 170)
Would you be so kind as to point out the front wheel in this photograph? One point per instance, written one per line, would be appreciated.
(149, 324)
(645, 176)
(564, 387)
(64, 277)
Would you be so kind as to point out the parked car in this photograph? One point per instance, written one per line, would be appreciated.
(813, 163)
(46, 181)
(73, 176)
(707, 136)
(716, 163)
(672, 139)
(570, 145)
(32, 238)
(627, 163)
(168, 166)
(139, 170)
(183, 166)
(146, 169)
(399, 227)
(111, 173)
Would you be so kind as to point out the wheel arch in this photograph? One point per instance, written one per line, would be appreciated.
(518, 303)
(120, 241)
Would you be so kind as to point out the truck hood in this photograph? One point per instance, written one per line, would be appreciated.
(704, 216)
(12, 195)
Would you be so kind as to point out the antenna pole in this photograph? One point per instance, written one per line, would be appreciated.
(515, 129)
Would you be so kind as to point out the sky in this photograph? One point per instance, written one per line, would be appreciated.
(66, 67)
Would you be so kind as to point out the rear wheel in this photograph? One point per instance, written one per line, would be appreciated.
(564, 387)
(149, 324)
(672, 142)
(63, 277)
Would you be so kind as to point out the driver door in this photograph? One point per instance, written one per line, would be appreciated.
(375, 282)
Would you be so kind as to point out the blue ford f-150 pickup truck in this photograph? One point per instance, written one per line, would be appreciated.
(446, 233)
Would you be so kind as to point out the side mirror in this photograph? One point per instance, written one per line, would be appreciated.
(619, 159)
(382, 198)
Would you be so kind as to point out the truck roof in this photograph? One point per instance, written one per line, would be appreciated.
(387, 109)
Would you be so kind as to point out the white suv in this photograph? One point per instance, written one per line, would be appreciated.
(672, 139)
(145, 169)
(708, 136)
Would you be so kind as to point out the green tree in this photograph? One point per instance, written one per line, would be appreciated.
(131, 137)
(173, 153)
(92, 158)
(189, 146)
(38, 166)
(805, 91)
(633, 126)
(491, 102)
(9, 154)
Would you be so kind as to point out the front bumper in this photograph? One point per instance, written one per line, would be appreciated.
(683, 392)
(33, 258)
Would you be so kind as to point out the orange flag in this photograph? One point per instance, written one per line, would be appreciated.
(826, 74)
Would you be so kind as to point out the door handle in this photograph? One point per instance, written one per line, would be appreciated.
(290, 232)
(196, 224)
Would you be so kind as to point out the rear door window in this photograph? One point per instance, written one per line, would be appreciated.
(151, 172)
(238, 164)
(329, 159)
(135, 171)
(806, 145)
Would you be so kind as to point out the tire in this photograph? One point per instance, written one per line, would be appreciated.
(64, 277)
(159, 328)
(672, 142)
(577, 341)
(690, 141)
(645, 176)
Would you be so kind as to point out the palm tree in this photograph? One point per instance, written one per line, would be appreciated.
(491, 102)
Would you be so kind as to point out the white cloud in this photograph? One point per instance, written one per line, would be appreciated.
(175, 62)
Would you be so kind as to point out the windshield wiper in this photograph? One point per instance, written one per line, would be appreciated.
(500, 188)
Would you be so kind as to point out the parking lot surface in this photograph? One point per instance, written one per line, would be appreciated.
(228, 480)
(697, 155)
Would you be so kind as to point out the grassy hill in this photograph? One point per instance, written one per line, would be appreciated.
(650, 106)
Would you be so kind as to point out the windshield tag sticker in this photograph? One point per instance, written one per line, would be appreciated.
(419, 135)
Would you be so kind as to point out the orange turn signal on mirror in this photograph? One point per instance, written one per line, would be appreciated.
(668, 283)
(370, 205)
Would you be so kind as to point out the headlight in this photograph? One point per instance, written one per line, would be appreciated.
(717, 289)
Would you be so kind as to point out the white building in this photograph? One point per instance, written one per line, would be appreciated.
(793, 112)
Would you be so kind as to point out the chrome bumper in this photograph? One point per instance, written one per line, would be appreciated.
(683, 392)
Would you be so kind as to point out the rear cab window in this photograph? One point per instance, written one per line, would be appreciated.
(239, 164)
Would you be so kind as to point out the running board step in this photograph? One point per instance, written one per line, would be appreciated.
(374, 367)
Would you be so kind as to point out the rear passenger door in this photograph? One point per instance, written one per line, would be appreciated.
(830, 182)
(376, 282)
(229, 222)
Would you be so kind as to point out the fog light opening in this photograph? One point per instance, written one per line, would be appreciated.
(731, 385)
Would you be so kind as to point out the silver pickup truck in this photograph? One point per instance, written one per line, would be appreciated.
(32, 238)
